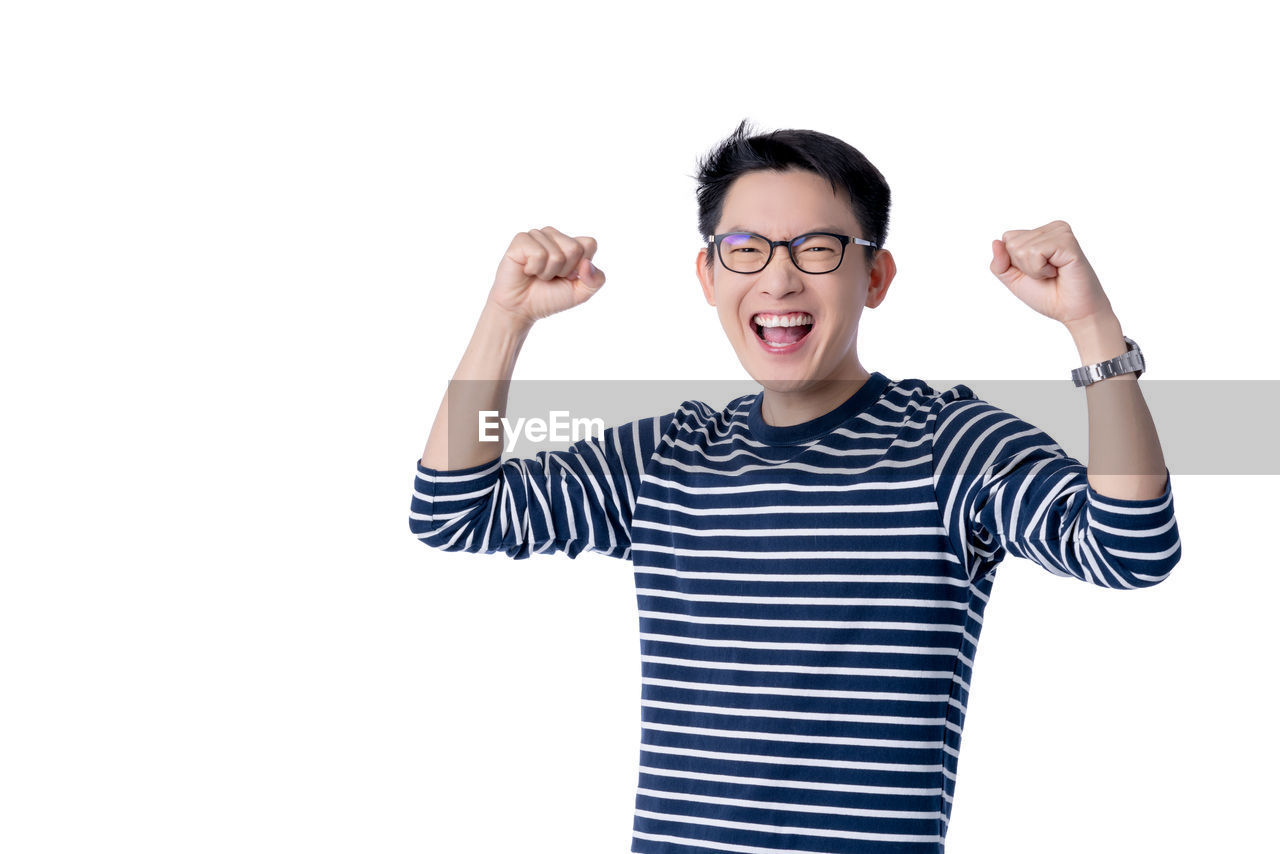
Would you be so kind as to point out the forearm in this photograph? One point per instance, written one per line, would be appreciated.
(480, 383)
(1125, 459)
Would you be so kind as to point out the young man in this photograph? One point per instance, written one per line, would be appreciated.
(812, 561)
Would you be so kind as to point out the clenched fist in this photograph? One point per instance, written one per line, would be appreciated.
(544, 272)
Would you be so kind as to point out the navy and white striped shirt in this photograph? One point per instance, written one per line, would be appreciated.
(810, 596)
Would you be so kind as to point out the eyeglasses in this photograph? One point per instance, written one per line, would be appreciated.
(816, 252)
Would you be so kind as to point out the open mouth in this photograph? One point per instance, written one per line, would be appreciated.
(782, 330)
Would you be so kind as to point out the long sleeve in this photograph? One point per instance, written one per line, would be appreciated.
(1004, 486)
(573, 500)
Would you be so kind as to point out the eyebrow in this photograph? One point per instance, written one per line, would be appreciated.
(834, 229)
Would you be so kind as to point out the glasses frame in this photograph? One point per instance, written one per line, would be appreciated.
(716, 240)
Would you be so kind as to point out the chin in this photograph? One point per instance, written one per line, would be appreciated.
(782, 380)
(785, 386)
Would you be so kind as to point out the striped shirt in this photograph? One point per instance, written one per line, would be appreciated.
(810, 596)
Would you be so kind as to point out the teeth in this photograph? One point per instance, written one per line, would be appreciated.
(782, 319)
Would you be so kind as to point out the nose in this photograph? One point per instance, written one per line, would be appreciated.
(780, 276)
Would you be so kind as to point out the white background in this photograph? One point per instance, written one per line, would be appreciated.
(244, 244)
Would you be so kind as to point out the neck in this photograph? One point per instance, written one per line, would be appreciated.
(788, 408)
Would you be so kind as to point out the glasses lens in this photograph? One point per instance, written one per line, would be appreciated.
(817, 253)
(744, 253)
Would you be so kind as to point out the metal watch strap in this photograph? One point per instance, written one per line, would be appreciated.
(1130, 361)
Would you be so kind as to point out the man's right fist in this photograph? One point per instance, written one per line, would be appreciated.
(545, 271)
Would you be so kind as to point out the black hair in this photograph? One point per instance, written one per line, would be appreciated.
(822, 154)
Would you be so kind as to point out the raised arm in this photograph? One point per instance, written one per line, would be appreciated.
(542, 272)
(464, 499)
(1003, 484)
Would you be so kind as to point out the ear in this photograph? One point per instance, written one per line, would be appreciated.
(882, 273)
(705, 278)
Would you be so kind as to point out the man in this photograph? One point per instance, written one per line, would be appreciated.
(813, 560)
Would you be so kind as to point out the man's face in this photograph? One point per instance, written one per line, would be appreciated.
(783, 205)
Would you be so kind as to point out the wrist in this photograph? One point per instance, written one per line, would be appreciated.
(504, 320)
(1098, 338)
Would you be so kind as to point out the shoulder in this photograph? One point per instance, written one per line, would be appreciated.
(951, 411)
(950, 399)
(699, 413)
(917, 394)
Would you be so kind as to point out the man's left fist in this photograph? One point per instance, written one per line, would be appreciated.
(1046, 269)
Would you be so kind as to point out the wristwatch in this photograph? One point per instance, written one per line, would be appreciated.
(1130, 361)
